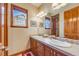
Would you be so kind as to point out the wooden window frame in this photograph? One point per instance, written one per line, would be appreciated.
(20, 9)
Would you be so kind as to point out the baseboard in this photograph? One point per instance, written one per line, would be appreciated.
(24, 51)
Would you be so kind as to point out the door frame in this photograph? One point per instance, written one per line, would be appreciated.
(0, 24)
(6, 28)
(54, 17)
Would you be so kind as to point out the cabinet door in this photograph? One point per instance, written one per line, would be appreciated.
(53, 52)
(66, 23)
(57, 53)
(74, 22)
(40, 49)
(33, 43)
(33, 46)
(47, 51)
(70, 23)
(34, 51)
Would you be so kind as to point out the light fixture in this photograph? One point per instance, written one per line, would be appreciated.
(41, 14)
(54, 4)
(58, 5)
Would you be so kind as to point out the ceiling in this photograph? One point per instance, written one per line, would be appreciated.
(37, 4)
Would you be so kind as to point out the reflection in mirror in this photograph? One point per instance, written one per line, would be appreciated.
(47, 23)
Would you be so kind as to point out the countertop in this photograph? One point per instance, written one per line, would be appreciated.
(72, 51)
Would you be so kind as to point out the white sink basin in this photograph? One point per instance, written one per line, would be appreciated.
(59, 43)
(53, 41)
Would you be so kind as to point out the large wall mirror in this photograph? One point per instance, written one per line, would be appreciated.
(19, 17)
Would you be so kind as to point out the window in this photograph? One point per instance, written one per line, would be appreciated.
(47, 23)
(19, 17)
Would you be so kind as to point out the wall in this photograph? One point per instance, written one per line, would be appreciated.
(18, 38)
(61, 16)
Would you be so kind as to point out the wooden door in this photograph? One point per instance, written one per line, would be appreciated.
(78, 24)
(70, 27)
(66, 24)
(70, 23)
(74, 23)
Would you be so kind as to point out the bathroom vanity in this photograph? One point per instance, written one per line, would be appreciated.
(41, 46)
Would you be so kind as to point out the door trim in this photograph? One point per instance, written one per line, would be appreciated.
(6, 28)
(0, 24)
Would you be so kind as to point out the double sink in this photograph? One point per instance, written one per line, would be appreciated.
(57, 42)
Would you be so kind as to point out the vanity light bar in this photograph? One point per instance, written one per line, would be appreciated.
(59, 5)
(41, 14)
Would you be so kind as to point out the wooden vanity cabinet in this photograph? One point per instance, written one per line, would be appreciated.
(40, 49)
(33, 43)
(33, 46)
(58, 53)
(47, 51)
